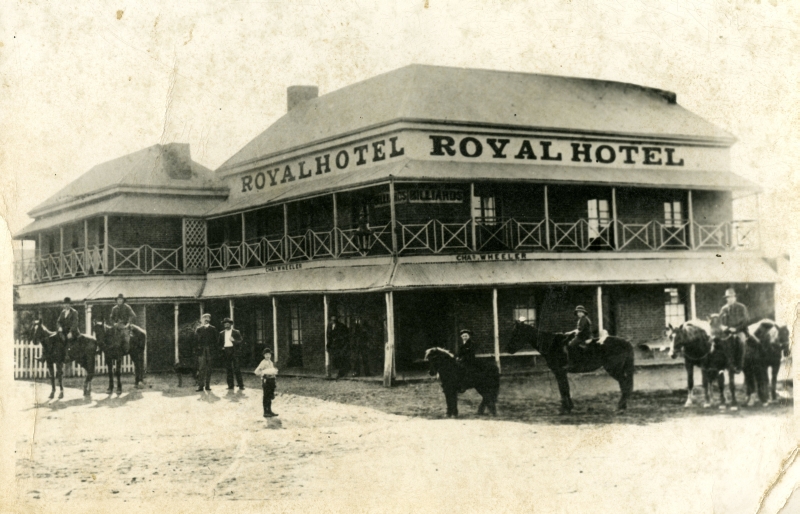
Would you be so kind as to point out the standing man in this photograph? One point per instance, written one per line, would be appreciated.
(231, 342)
(583, 333)
(734, 319)
(206, 339)
(67, 324)
(339, 346)
(122, 316)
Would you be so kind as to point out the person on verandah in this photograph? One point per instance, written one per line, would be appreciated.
(582, 334)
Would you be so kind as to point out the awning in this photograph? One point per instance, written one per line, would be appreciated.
(107, 288)
(634, 177)
(583, 271)
(354, 278)
(143, 205)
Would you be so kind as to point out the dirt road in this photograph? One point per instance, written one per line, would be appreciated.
(170, 444)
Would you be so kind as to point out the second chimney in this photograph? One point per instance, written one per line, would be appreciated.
(296, 95)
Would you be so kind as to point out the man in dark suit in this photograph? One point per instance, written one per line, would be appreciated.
(339, 346)
(122, 316)
(206, 341)
(734, 318)
(68, 322)
(231, 341)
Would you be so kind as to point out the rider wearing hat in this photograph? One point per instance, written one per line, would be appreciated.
(734, 318)
(68, 321)
(122, 316)
(582, 332)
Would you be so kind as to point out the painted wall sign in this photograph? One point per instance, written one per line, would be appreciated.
(283, 267)
(421, 195)
(469, 257)
(339, 159)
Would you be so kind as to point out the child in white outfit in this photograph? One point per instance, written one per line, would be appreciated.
(267, 371)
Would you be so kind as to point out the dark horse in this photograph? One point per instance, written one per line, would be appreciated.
(55, 352)
(456, 377)
(773, 343)
(113, 346)
(615, 355)
(694, 339)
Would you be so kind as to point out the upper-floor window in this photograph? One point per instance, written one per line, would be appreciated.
(484, 208)
(599, 217)
(673, 214)
(674, 308)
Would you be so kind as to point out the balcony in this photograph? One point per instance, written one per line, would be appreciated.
(434, 237)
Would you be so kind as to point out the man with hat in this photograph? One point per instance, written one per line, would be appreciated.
(68, 322)
(206, 338)
(339, 346)
(583, 333)
(734, 318)
(466, 355)
(231, 340)
(122, 316)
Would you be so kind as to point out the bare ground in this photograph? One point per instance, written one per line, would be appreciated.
(356, 446)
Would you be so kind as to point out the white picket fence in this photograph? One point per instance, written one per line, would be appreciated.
(26, 364)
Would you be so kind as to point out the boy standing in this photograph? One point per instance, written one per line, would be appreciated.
(267, 371)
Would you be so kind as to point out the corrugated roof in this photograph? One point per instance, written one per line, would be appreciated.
(107, 288)
(583, 271)
(353, 278)
(149, 167)
(482, 97)
(126, 205)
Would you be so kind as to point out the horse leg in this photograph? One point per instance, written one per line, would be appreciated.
(563, 389)
(60, 375)
(110, 365)
(689, 382)
(774, 382)
(749, 386)
(52, 374)
(119, 373)
(451, 397)
(706, 388)
(763, 385)
(732, 387)
(721, 386)
(482, 406)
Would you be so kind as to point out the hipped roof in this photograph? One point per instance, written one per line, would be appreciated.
(423, 93)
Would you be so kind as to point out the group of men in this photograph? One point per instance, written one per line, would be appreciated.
(349, 347)
(207, 341)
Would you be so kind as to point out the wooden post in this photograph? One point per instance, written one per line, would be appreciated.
(177, 333)
(244, 232)
(105, 244)
(546, 218)
(496, 328)
(388, 361)
(472, 217)
(202, 309)
(88, 320)
(39, 244)
(394, 217)
(335, 228)
(275, 328)
(144, 326)
(692, 301)
(286, 249)
(614, 217)
(599, 310)
(183, 242)
(61, 252)
(86, 247)
(691, 220)
(230, 309)
(325, 331)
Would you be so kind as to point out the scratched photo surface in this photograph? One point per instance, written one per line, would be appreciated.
(418, 256)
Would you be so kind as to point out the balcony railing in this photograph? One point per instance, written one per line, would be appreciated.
(430, 238)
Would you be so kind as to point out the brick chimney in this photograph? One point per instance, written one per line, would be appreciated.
(177, 160)
(296, 95)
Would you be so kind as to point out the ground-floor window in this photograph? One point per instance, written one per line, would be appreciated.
(525, 308)
(295, 336)
(674, 307)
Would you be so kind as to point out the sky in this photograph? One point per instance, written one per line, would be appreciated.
(85, 82)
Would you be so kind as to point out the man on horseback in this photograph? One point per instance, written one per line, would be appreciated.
(68, 323)
(734, 319)
(582, 334)
(122, 316)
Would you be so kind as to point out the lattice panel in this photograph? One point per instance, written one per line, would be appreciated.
(194, 233)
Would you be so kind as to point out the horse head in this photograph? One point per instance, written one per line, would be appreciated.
(692, 332)
(39, 332)
(784, 340)
(522, 335)
(435, 357)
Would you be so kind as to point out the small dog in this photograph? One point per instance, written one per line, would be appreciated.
(184, 369)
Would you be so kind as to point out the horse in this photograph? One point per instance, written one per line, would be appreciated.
(112, 346)
(456, 377)
(82, 350)
(774, 341)
(613, 354)
(695, 340)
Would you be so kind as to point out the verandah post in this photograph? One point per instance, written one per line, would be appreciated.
(286, 249)
(496, 329)
(61, 252)
(693, 301)
(325, 338)
(86, 247)
(388, 361)
(335, 233)
(472, 216)
(105, 244)
(546, 218)
(691, 220)
(394, 217)
(599, 310)
(275, 327)
(614, 217)
(177, 333)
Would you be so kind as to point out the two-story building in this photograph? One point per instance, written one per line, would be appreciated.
(423, 200)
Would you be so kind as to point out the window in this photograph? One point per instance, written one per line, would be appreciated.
(296, 326)
(526, 309)
(484, 208)
(599, 218)
(673, 214)
(674, 308)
